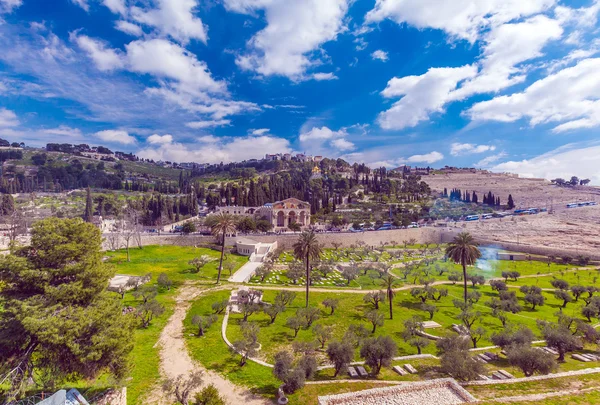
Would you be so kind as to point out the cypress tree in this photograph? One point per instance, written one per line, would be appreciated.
(511, 203)
(89, 213)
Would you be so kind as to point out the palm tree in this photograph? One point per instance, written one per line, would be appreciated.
(307, 248)
(464, 251)
(388, 282)
(223, 225)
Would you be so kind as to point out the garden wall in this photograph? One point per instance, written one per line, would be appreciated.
(372, 238)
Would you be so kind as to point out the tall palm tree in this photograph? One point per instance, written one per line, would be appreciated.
(389, 282)
(223, 225)
(463, 250)
(307, 248)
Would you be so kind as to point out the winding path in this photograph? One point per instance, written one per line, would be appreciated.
(175, 360)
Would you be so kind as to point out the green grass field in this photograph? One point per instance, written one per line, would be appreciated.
(172, 260)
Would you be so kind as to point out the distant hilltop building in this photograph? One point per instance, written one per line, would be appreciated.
(300, 157)
(280, 214)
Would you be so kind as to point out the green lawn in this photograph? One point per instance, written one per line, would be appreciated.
(172, 260)
(277, 336)
(212, 352)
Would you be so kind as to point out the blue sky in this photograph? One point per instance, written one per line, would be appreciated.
(507, 85)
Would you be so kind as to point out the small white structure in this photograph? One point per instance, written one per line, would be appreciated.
(249, 247)
(511, 256)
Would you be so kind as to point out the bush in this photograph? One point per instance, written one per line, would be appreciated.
(209, 396)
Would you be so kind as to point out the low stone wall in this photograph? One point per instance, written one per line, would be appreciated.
(371, 238)
(536, 378)
(444, 391)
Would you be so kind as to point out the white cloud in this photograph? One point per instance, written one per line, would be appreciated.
(569, 160)
(430, 157)
(173, 18)
(162, 58)
(82, 3)
(505, 48)
(380, 55)
(129, 28)
(63, 130)
(487, 161)
(260, 131)
(8, 118)
(343, 144)
(159, 139)
(324, 76)
(106, 59)
(7, 6)
(457, 149)
(321, 133)
(115, 136)
(421, 95)
(207, 124)
(216, 150)
(116, 6)
(294, 31)
(464, 19)
(569, 96)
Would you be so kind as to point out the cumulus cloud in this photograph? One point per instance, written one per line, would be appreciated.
(430, 157)
(295, 29)
(159, 139)
(463, 19)
(173, 18)
(215, 150)
(569, 96)
(105, 58)
(343, 144)
(380, 55)
(421, 95)
(569, 160)
(506, 47)
(325, 141)
(165, 59)
(457, 149)
(207, 124)
(321, 133)
(8, 118)
(115, 136)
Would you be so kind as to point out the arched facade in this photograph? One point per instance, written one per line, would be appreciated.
(291, 210)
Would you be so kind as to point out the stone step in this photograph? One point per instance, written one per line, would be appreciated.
(410, 369)
(352, 372)
(399, 370)
(506, 374)
(362, 372)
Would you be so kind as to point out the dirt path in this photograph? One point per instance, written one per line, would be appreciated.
(175, 360)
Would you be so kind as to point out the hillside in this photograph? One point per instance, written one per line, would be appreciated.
(577, 229)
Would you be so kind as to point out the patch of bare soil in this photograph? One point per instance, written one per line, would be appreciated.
(576, 230)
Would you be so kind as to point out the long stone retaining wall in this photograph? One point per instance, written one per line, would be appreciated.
(370, 238)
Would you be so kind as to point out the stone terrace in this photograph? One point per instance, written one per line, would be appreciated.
(439, 392)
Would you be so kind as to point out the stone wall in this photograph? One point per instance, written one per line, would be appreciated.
(371, 238)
